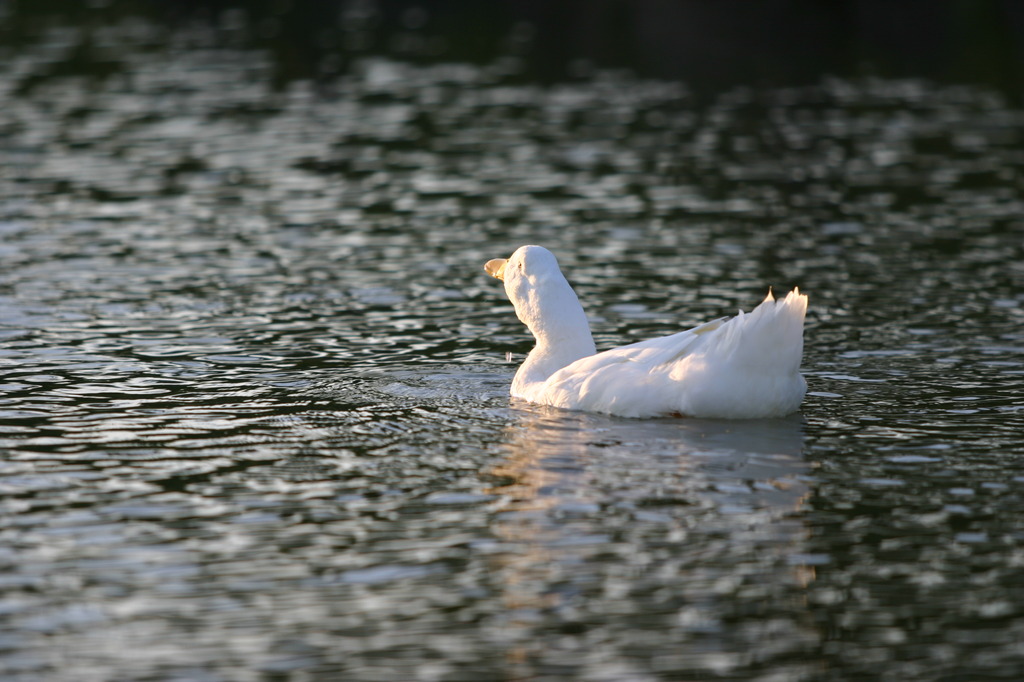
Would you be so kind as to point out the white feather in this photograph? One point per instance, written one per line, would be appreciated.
(743, 367)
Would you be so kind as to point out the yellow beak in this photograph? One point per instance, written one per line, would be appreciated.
(496, 268)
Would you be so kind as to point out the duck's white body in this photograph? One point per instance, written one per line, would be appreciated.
(745, 367)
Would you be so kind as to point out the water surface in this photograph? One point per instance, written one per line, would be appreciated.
(254, 406)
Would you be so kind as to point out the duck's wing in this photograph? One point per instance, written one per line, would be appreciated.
(624, 380)
(665, 349)
(768, 338)
(652, 352)
(741, 367)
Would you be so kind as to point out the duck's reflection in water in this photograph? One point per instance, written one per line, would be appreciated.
(675, 544)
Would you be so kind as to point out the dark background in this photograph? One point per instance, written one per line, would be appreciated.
(709, 44)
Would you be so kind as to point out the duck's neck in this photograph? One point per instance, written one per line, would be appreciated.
(560, 326)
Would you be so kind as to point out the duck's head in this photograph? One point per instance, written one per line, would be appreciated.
(542, 297)
(525, 273)
(531, 262)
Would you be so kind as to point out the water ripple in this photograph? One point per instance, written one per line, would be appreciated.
(254, 398)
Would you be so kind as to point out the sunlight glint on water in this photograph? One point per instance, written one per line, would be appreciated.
(254, 405)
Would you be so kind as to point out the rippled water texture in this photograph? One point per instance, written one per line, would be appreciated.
(254, 410)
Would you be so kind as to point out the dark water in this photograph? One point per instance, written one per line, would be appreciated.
(254, 410)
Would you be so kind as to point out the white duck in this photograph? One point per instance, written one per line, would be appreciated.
(745, 367)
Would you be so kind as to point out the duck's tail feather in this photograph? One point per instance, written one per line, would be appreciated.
(770, 337)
